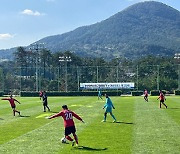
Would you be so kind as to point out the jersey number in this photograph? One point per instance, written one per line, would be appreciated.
(68, 116)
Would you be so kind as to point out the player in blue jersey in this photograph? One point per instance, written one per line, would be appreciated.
(108, 108)
(99, 94)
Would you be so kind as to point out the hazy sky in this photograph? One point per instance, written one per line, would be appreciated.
(23, 22)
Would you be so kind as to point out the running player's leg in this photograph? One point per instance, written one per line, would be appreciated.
(17, 111)
(48, 107)
(113, 116)
(105, 116)
(14, 112)
(145, 98)
(67, 133)
(44, 107)
(73, 131)
(75, 138)
(164, 104)
(160, 104)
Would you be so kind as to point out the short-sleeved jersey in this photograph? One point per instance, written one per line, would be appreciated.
(11, 101)
(146, 93)
(67, 115)
(44, 97)
(161, 96)
(108, 103)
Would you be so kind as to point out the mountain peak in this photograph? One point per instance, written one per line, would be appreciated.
(154, 8)
(145, 28)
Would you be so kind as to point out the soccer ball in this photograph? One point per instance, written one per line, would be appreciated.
(63, 140)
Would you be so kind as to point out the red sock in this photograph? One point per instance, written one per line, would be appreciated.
(69, 138)
(76, 138)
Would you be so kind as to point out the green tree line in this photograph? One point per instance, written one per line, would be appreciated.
(34, 70)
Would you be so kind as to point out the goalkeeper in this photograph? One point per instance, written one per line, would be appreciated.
(108, 108)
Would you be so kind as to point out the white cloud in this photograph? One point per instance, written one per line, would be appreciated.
(32, 13)
(6, 36)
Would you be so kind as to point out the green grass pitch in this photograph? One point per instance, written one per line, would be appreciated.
(141, 127)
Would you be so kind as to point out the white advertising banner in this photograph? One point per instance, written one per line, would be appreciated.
(125, 85)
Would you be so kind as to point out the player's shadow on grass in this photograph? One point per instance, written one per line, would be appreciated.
(53, 112)
(121, 122)
(173, 108)
(24, 116)
(89, 148)
(1, 119)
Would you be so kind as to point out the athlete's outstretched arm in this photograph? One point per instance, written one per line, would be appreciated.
(17, 101)
(55, 115)
(77, 117)
(5, 99)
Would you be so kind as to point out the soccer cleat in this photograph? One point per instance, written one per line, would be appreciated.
(103, 121)
(73, 142)
(114, 121)
(77, 145)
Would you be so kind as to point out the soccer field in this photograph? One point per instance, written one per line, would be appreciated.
(141, 127)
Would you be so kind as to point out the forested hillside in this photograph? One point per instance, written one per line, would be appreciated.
(147, 28)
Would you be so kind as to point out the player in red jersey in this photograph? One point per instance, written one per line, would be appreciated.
(146, 95)
(69, 125)
(162, 98)
(12, 103)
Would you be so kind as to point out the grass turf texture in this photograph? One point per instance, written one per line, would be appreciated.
(141, 127)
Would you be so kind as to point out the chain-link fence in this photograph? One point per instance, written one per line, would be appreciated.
(63, 78)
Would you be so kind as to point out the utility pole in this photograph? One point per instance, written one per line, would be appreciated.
(65, 59)
(177, 56)
(97, 73)
(157, 77)
(117, 74)
(137, 77)
(37, 47)
(78, 78)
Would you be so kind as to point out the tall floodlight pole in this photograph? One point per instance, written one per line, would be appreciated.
(97, 73)
(78, 79)
(117, 73)
(157, 77)
(177, 56)
(65, 59)
(37, 47)
(58, 78)
(137, 69)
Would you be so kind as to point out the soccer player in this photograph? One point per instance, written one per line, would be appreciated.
(162, 98)
(45, 102)
(12, 103)
(99, 94)
(108, 106)
(146, 95)
(69, 125)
